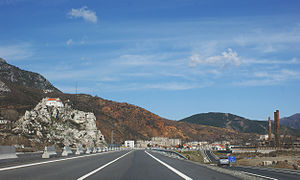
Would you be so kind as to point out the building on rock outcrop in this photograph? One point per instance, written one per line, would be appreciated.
(54, 102)
(52, 122)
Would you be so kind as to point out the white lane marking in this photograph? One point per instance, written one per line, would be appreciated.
(286, 171)
(46, 162)
(96, 170)
(266, 177)
(170, 167)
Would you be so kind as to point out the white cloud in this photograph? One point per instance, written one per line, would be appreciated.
(227, 57)
(139, 60)
(175, 86)
(255, 82)
(268, 49)
(266, 61)
(84, 13)
(16, 52)
(281, 75)
(166, 86)
(69, 42)
(270, 78)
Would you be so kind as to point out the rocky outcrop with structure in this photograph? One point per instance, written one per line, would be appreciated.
(54, 123)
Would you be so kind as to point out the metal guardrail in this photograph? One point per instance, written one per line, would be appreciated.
(169, 152)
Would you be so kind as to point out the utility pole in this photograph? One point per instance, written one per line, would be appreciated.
(75, 100)
(270, 130)
(112, 134)
(76, 88)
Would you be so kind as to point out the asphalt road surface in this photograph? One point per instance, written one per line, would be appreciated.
(268, 173)
(210, 156)
(135, 164)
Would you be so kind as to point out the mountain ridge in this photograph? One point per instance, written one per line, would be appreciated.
(292, 121)
(13, 74)
(234, 122)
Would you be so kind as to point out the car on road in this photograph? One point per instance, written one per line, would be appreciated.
(224, 161)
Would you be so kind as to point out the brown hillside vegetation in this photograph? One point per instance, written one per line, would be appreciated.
(133, 122)
(128, 121)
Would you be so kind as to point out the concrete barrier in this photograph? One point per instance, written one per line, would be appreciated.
(95, 150)
(243, 150)
(79, 151)
(49, 152)
(7, 152)
(67, 151)
(88, 150)
(99, 149)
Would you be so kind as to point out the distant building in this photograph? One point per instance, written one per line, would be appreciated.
(218, 147)
(175, 142)
(165, 142)
(129, 143)
(56, 102)
(159, 141)
(142, 143)
(265, 137)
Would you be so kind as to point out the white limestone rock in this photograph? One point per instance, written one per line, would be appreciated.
(60, 124)
(3, 88)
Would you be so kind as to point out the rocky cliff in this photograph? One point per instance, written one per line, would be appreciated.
(3, 88)
(50, 124)
(12, 74)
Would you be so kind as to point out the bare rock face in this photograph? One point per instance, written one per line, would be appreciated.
(18, 76)
(2, 61)
(3, 88)
(56, 124)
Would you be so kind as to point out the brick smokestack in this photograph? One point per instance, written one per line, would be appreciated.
(270, 130)
(277, 128)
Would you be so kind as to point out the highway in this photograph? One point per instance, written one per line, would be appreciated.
(209, 155)
(134, 164)
(266, 173)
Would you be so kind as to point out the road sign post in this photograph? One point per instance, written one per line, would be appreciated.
(232, 159)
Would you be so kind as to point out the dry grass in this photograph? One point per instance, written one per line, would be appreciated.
(192, 155)
(279, 159)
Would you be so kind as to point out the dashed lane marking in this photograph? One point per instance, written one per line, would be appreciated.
(98, 169)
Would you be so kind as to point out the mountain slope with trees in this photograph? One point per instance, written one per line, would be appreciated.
(234, 122)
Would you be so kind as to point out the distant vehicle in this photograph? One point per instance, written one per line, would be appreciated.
(224, 161)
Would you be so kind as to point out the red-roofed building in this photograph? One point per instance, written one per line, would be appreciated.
(56, 102)
(218, 147)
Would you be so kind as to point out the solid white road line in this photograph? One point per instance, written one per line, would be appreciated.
(96, 170)
(46, 162)
(170, 167)
(286, 171)
(266, 177)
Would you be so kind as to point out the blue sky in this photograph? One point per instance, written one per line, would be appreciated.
(175, 58)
